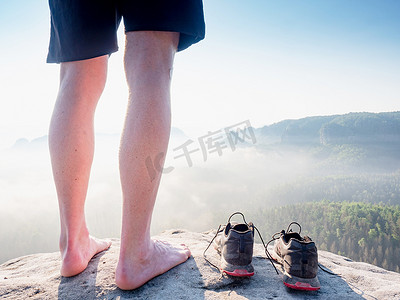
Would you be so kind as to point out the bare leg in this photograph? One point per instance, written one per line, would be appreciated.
(71, 141)
(148, 63)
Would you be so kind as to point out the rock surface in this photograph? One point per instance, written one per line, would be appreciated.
(37, 277)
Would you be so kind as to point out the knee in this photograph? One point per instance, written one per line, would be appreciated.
(150, 51)
(85, 77)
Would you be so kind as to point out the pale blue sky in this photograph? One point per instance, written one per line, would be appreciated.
(261, 60)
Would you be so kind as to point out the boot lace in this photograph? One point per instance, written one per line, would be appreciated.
(221, 228)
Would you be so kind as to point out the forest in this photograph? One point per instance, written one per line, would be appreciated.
(365, 188)
(360, 231)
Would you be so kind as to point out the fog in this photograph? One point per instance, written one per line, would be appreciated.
(197, 198)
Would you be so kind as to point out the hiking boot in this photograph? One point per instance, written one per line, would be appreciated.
(234, 242)
(299, 258)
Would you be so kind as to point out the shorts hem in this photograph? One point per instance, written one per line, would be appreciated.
(57, 60)
(186, 39)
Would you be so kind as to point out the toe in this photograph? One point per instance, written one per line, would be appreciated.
(187, 252)
(104, 245)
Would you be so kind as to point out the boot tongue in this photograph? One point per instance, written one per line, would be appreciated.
(292, 235)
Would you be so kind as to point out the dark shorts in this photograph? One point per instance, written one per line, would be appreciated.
(83, 29)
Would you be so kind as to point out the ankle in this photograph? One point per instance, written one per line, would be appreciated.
(72, 239)
(138, 252)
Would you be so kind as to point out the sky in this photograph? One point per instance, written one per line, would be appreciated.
(262, 61)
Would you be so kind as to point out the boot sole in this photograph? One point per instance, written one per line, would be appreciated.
(294, 282)
(236, 270)
(303, 284)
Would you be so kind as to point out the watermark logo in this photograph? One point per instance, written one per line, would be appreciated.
(213, 142)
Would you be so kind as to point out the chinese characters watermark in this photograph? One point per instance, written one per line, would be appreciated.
(208, 144)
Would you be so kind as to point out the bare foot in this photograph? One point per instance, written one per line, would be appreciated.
(75, 259)
(132, 272)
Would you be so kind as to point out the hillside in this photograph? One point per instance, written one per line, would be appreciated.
(352, 128)
(349, 191)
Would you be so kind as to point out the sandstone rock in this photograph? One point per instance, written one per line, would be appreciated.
(37, 277)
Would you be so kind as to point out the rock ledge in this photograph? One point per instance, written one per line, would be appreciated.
(37, 277)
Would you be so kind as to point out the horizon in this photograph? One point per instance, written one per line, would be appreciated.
(174, 128)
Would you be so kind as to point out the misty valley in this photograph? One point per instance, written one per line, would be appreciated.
(338, 176)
